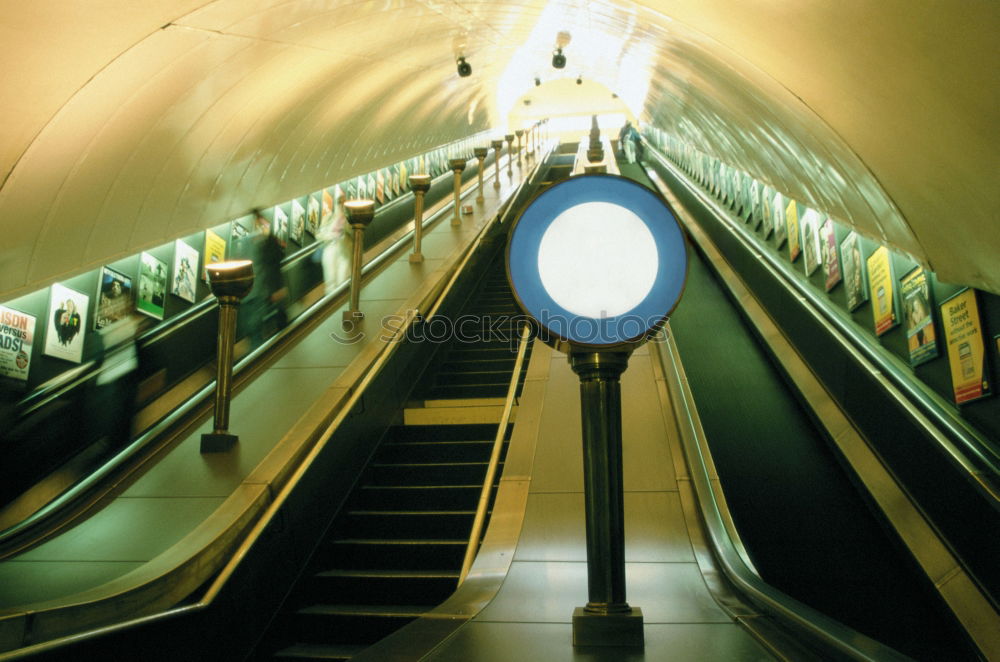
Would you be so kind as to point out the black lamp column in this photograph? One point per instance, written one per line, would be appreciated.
(607, 617)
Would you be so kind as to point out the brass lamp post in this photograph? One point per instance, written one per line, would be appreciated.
(480, 153)
(497, 146)
(457, 166)
(359, 214)
(420, 184)
(510, 154)
(230, 282)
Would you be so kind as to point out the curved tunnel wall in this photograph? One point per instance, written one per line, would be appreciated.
(124, 129)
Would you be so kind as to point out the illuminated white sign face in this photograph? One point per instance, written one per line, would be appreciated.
(598, 260)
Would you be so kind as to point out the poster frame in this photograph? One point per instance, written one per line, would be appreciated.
(986, 379)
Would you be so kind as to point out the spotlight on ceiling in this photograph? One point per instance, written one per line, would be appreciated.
(558, 59)
(538, 81)
(464, 68)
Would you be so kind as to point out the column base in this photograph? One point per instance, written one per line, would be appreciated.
(480, 199)
(416, 258)
(496, 183)
(456, 222)
(218, 442)
(624, 629)
(352, 317)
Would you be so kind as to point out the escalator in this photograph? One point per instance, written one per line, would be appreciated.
(808, 528)
(396, 547)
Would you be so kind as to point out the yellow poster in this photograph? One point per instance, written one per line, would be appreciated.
(880, 284)
(215, 251)
(792, 225)
(963, 335)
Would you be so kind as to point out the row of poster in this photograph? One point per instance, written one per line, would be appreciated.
(119, 294)
(895, 301)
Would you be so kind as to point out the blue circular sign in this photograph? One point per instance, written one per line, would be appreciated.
(597, 260)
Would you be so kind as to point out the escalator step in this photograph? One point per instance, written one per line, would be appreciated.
(467, 391)
(351, 624)
(384, 586)
(453, 524)
(428, 473)
(419, 497)
(371, 554)
(430, 451)
(327, 652)
(421, 433)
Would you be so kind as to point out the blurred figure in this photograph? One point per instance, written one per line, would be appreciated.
(264, 307)
(110, 401)
(628, 140)
(336, 235)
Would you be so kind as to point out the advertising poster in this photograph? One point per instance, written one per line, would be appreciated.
(17, 334)
(394, 181)
(114, 298)
(312, 213)
(280, 225)
(239, 232)
(380, 187)
(185, 268)
(326, 211)
(767, 220)
(372, 193)
(754, 201)
(67, 312)
(298, 224)
(963, 336)
(810, 241)
(829, 254)
(880, 286)
(780, 223)
(855, 278)
(915, 294)
(792, 222)
(215, 251)
(404, 176)
(361, 188)
(152, 288)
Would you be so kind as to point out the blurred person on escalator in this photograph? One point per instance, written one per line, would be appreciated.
(264, 307)
(336, 236)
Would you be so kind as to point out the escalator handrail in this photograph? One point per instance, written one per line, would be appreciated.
(472, 548)
(724, 539)
(965, 446)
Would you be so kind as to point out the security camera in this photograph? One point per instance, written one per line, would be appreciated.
(464, 68)
(579, 81)
(538, 81)
(558, 59)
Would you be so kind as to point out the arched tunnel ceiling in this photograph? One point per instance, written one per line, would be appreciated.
(124, 125)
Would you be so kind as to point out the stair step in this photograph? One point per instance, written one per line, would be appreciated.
(409, 523)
